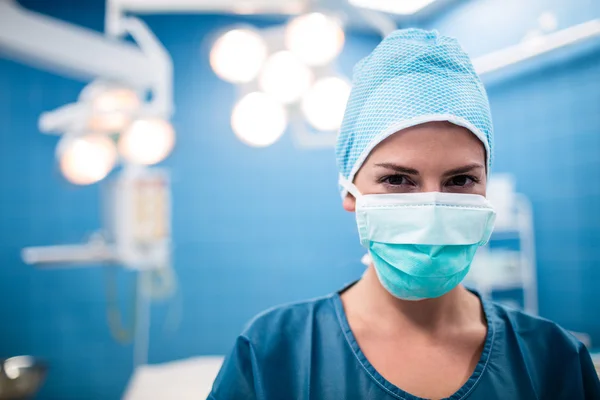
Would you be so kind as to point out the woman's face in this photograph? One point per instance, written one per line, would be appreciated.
(432, 157)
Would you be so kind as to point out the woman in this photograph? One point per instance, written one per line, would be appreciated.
(414, 153)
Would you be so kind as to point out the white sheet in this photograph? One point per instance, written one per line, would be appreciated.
(182, 380)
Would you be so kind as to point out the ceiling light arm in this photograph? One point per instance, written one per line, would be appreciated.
(81, 53)
(162, 88)
(70, 49)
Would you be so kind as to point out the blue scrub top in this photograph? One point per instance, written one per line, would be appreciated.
(307, 351)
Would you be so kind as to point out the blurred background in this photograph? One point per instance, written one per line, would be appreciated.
(167, 172)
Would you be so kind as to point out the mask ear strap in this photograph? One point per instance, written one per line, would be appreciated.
(349, 186)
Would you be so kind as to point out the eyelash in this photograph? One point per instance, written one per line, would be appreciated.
(474, 180)
(385, 180)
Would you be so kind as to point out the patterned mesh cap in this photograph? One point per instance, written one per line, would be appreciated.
(412, 77)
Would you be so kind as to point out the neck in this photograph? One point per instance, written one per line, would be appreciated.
(370, 299)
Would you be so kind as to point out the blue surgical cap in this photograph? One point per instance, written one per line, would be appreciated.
(412, 77)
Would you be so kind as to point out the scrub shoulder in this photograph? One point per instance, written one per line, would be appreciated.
(272, 356)
(302, 348)
(541, 355)
(534, 332)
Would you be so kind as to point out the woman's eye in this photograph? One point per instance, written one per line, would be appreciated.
(397, 180)
(461, 180)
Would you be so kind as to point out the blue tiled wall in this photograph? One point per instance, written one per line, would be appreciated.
(548, 136)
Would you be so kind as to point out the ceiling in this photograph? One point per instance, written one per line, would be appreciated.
(355, 17)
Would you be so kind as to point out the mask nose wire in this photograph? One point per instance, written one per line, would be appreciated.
(349, 186)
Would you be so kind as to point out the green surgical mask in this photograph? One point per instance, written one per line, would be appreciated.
(422, 244)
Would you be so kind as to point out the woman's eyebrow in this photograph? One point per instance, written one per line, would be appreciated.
(463, 170)
(398, 168)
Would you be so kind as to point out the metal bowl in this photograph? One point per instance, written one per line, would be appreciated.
(21, 377)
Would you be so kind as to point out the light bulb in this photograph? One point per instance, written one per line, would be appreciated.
(86, 159)
(315, 38)
(285, 77)
(325, 103)
(113, 109)
(238, 55)
(147, 141)
(258, 119)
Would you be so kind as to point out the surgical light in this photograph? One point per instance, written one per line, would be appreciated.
(113, 109)
(258, 119)
(86, 159)
(238, 55)
(315, 38)
(285, 77)
(401, 7)
(325, 102)
(147, 141)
